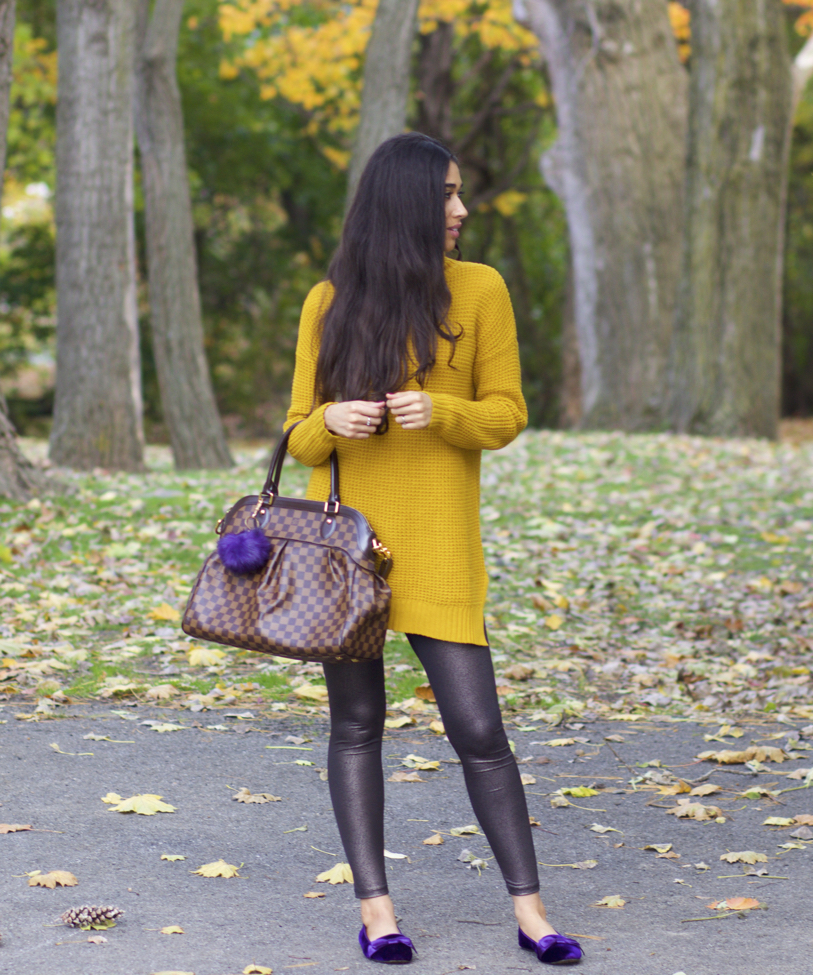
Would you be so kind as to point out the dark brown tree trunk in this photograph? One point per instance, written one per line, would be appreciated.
(435, 84)
(725, 372)
(386, 82)
(97, 413)
(618, 166)
(187, 398)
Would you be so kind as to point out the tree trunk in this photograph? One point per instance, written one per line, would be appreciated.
(6, 59)
(726, 358)
(97, 413)
(187, 398)
(19, 479)
(386, 82)
(618, 166)
(435, 83)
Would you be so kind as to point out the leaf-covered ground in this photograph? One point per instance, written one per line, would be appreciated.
(629, 575)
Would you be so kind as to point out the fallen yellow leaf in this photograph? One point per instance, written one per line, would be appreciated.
(526, 779)
(676, 789)
(405, 777)
(205, 656)
(803, 820)
(245, 796)
(435, 840)
(172, 857)
(145, 805)
(659, 847)
(164, 612)
(553, 622)
(556, 742)
(261, 969)
(313, 893)
(61, 878)
(401, 722)
(437, 727)
(172, 929)
(694, 810)
(746, 856)
(707, 789)
(218, 868)
(756, 753)
(161, 692)
(778, 821)
(340, 873)
(425, 693)
(12, 828)
(612, 900)
(311, 692)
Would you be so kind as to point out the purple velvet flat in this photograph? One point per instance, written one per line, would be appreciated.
(391, 949)
(553, 949)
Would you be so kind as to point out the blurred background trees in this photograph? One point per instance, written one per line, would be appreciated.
(270, 94)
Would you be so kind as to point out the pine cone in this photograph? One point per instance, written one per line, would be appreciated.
(87, 916)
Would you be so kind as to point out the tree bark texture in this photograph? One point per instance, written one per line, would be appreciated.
(386, 82)
(187, 397)
(618, 166)
(726, 359)
(97, 413)
(19, 479)
(6, 59)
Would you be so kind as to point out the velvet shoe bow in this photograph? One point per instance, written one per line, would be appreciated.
(391, 949)
(553, 949)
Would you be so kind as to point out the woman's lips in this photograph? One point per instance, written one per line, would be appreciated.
(453, 231)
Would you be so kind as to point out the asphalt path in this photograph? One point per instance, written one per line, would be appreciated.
(460, 919)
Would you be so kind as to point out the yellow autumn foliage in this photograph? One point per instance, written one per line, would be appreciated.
(311, 53)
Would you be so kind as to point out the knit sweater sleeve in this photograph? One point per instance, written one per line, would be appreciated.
(311, 443)
(498, 412)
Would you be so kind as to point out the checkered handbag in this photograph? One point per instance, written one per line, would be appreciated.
(304, 583)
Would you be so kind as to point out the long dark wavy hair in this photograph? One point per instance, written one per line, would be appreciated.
(391, 295)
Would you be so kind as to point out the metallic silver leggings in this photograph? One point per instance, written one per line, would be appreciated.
(462, 678)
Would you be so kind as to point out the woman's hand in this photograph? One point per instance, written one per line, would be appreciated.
(355, 420)
(413, 409)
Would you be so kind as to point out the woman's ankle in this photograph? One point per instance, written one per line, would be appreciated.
(378, 916)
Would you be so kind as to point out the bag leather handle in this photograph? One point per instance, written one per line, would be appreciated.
(271, 486)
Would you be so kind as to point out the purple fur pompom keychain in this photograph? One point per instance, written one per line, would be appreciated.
(244, 552)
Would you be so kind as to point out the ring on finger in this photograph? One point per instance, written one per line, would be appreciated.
(368, 421)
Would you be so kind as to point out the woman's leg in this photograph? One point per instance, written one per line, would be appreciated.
(356, 780)
(462, 678)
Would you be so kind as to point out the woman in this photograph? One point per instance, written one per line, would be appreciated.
(401, 332)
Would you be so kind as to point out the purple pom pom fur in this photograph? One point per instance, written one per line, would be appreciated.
(244, 552)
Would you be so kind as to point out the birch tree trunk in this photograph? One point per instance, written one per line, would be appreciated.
(97, 413)
(386, 82)
(187, 397)
(618, 166)
(726, 361)
(6, 60)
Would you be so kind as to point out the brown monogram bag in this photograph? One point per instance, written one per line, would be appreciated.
(294, 578)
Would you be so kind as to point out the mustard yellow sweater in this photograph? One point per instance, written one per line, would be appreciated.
(420, 489)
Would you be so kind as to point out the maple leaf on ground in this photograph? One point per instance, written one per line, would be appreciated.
(612, 900)
(260, 797)
(598, 828)
(424, 692)
(162, 692)
(311, 692)
(694, 810)
(421, 764)
(172, 857)
(778, 821)
(13, 828)
(803, 820)
(659, 847)
(261, 969)
(526, 779)
(164, 612)
(339, 873)
(218, 868)
(145, 805)
(435, 840)
(437, 727)
(172, 929)
(707, 789)
(579, 791)
(746, 856)
(471, 830)
(401, 722)
(205, 657)
(54, 878)
(405, 777)
(756, 753)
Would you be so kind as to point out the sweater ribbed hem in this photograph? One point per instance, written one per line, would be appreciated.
(456, 624)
